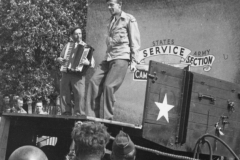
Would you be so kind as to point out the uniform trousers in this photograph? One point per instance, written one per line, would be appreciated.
(105, 81)
(75, 83)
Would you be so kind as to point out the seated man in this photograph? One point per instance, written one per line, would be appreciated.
(14, 106)
(90, 140)
(123, 148)
(39, 108)
(19, 105)
(6, 103)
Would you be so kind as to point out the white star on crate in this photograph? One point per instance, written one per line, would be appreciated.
(164, 108)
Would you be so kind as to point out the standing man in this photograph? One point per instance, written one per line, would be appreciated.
(123, 43)
(74, 81)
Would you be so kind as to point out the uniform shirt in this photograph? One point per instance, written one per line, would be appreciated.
(21, 110)
(13, 110)
(123, 38)
(42, 112)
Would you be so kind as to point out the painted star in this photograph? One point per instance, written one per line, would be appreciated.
(164, 108)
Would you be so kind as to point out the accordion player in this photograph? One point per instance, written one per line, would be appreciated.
(73, 59)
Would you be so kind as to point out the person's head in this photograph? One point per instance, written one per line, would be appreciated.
(39, 107)
(14, 100)
(28, 153)
(47, 100)
(19, 102)
(114, 6)
(29, 100)
(6, 99)
(76, 34)
(90, 140)
(123, 148)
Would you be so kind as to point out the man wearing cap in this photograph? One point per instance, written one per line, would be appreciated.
(123, 43)
(123, 148)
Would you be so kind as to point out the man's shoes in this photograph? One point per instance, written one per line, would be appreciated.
(77, 114)
(66, 114)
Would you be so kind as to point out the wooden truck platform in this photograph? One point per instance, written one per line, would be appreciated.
(23, 129)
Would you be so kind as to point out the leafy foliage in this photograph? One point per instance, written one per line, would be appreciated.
(32, 34)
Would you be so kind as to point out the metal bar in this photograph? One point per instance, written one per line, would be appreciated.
(185, 106)
(114, 122)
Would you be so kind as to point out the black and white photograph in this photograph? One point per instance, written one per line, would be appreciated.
(119, 79)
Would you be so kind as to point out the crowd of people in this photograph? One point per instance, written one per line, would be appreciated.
(17, 104)
(91, 139)
(123, 43)
(90, 143)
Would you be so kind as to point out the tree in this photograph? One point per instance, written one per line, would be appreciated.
(32, 34)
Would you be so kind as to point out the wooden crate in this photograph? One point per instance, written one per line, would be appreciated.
(181, 106)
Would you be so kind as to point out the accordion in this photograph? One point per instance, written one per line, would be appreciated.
(73, 59)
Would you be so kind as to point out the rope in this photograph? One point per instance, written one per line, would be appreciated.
(161, 153)
(164, 154)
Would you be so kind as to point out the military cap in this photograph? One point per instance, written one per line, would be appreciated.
(122, 145)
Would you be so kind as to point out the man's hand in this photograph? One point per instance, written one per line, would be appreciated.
(133, 67)
(85, 61)
(61, 60)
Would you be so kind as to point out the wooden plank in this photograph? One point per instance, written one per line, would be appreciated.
(217, 83)
(207, 109)
(160, 68)
(157, 88)
(210, 129)
(4, 131)
(215, 92)
(160, 134)
(45, 116)
(212, 120)
(173, 119)
(219, 102)
(167, 80)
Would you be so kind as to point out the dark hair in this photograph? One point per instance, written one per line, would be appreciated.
(90, 138)
(129, 156)
(6, 95)
(118, 1)
(38, 102)
(19, 98)
(74, 29)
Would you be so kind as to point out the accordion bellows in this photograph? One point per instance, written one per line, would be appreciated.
(73, 59)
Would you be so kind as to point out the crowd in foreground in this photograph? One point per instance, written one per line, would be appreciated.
(90, 141)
